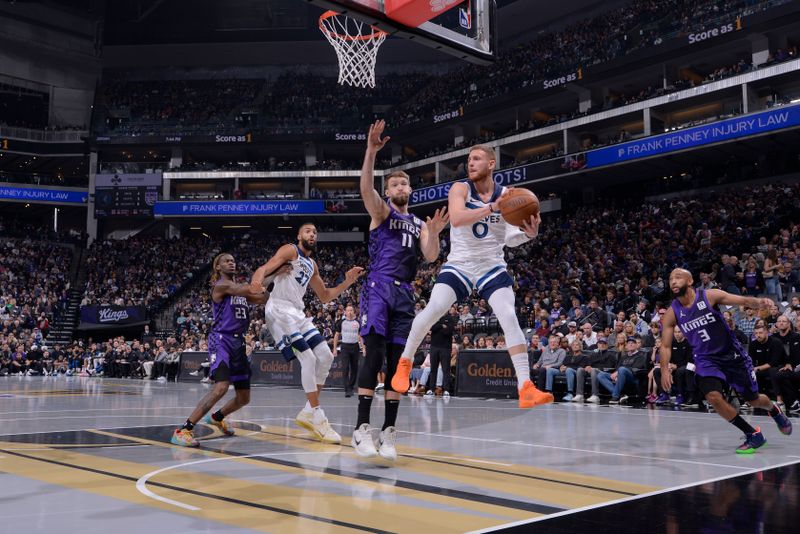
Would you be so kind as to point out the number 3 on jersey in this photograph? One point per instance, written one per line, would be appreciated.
(704, 335)
(480, 229)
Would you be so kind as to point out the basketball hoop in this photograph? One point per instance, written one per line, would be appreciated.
(356, 44)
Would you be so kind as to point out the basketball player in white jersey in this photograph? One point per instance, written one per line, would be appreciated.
(293, 332)
(478, 235)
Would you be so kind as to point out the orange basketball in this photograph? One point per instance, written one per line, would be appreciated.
(518, 205)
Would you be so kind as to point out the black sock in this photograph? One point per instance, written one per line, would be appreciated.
(742, 425)
(774, 411)
(364, 406)
(188, 425)
(391, 413)
(217, 416)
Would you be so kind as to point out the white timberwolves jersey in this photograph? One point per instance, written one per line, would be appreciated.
(292, 287)
(482, 242)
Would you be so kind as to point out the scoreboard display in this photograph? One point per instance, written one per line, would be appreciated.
(126, 195)
(125, 201)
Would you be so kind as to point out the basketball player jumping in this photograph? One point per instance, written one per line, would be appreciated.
(226, 348)
(719, 357)
(387, 298)
(478, 235)
(294, 333)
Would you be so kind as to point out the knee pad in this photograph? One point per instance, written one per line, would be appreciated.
(324, 361)
(308, 370)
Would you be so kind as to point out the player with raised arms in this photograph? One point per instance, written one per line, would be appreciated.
(387, 298)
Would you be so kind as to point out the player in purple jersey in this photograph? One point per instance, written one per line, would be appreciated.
(226, 347)
(719, 357)
(387, 298)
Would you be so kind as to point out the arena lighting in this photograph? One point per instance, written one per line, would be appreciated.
(195, 228)
(284, 228)
(237, 226)
(794, 101)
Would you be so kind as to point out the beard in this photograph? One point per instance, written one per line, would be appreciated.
(478, 176)
(400, 200)
(681, 292)
(311, 247)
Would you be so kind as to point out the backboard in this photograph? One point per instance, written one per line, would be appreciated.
(467, 31)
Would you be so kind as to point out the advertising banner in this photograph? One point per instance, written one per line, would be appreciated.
(485, 373)
(113, 315)
(35, 194)
(238, 207)
(190, 362)
(766, 121)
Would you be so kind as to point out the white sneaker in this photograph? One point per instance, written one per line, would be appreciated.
(386, 443)
(305, 420)
(322, 428)
(577, 398)
(205, 380)
(446, 395)
(363, 443)
(429, 393)
(594, 399)
(194, 373)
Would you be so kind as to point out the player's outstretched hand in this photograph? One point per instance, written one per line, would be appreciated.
(765, 303)
(353, 274)
(438, 222)
(374, 141)
(666, 379)
(531, 227)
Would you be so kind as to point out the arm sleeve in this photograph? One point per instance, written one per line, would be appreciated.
(515, 237)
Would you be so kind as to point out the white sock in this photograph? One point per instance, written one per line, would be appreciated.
(521, 367)
(307, 408)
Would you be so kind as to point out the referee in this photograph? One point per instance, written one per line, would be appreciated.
(351, 345)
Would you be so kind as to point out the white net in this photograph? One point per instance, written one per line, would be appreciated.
(356, 44)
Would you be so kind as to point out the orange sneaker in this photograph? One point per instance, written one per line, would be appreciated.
(529, 396)
(401, 379)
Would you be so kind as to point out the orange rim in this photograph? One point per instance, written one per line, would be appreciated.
(328, 14)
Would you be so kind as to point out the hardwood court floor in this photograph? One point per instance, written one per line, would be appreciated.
(85, 455)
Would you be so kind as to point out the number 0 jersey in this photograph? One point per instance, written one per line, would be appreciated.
(483, 242)
(292, 287)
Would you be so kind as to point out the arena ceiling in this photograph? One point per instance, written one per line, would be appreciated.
(181, 22)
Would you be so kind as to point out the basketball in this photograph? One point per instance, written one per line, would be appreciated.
(518, 205)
